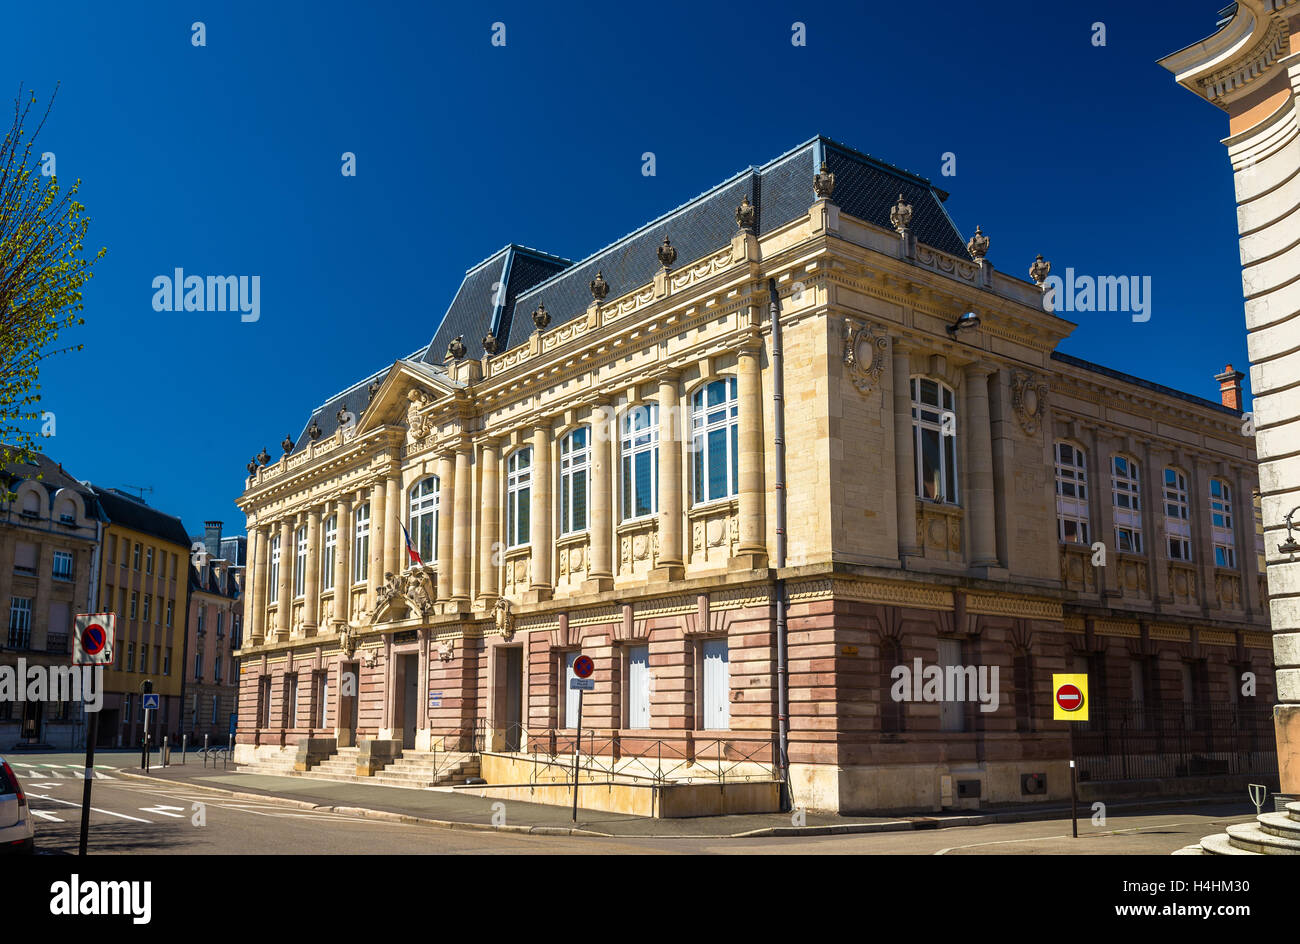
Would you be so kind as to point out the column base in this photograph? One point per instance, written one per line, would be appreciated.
(538, 595)
(666, 573)
(992, 571)
(748, 560)
(486, 603)
(596, 584)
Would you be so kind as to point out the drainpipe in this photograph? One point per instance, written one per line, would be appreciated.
(782, 658)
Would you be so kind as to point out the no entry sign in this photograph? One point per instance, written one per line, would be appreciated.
(1069, 697)
(583, 667)
(93, 638)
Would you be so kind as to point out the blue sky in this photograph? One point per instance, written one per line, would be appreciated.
(225, 159)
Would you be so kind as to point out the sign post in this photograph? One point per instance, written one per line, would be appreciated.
(1070, 704)
(582, 669)
(92, 647)
(148, 704)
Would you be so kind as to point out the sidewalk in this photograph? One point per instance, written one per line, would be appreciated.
(457, 810)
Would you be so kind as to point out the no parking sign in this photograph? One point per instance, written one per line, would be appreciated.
(93, 638)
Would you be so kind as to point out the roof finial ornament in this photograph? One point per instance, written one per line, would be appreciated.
(824, 183)
(599, 287)
(1040, 270)
(287, 444)
(541, 317)
(746, 213)
(978, 246)
(490, 343)
(313, 430)
(457, 347)
(263, 457)
(901, 215)
(667, 254)
(252, 466)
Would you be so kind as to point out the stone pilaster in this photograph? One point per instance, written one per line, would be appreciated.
(343, 562)
(260, 553)
(311, 581)
(490, 523)
(979, 456)
(670, 481)
(751, 553)
(462, 538)
(375, 573)
(390, 527)
(446, 524)
(604, 435)
(284, 604)
(540, 525)
(904, 454)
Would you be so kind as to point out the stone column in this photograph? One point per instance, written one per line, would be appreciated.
(343, 562)
(751, 552)
(311, 581)
(604, 431)
(260, 553)
(462, 538)
(904, 454)
(979, 451)
(284, 605)
(446, 524)
(670, 566)
(540, 525)
(375, 575)
(489, 562)
(395, 513)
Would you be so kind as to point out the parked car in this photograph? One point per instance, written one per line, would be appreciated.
(16, 831)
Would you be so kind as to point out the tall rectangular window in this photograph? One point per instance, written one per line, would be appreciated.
(1177, 525)
(575, 461)
(952, 713)
(62, 569)
(322, 697)
(1126, 496)
(1071, 495)
(519, 477)
(273, 584)
(361, 545)
(171, 605)
(148, 560)
(1225, 544)
(291, 701)
(640, 461)
(135, 558)
(934, 426)
(424, 517)
(135, 603)
(568, 694)
(220, 629)
(300, 563)
(715, 432)
(20, 623)
(715, 662)
(638, 686)
(330, 555)
(198, 665)
(144, 610)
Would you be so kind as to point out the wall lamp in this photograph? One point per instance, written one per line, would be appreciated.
(964, 323)
(1290, 546)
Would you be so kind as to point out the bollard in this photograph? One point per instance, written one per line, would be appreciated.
(183, 737)
(205, 751)
(164, 751)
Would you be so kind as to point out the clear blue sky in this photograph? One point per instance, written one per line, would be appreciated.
(226, 160)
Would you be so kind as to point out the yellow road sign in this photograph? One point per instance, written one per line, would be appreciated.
(1069, 697)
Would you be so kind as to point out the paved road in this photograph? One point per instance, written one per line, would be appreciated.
(133, 817)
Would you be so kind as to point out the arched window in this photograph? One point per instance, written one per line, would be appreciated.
(715, 430)
(424, 517)
(1177, 526)
(519, 478)
(31, 504)
(1225, 546)
(300, 563)
(1071, 494)
(361, 544)
(273, 592)
(640, 455)
(331, 552)
(1126, 496)
(575, 464)
(934, 424)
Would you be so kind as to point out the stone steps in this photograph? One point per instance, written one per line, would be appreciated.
(1252, 837)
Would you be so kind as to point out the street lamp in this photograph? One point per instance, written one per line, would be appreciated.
(966, 322)
(1290, 546)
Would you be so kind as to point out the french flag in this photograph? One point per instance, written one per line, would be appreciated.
(410, 548)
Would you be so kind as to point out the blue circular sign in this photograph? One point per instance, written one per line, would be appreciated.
(583, 666)
(93, 639)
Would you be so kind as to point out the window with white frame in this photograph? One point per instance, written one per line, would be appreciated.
(1178, 527)
(1071, 494)
(519, 477)
(575, 466)
(638, 687)
(424, 517)
(220, 623)
(952, 713)
(216, 668)
(300, 562)
(20, 623)
(130, 657)
(62, 569)
(171, 604)
(214, 709)
(330, 554)
(273, 591)
(148, 560)
(361, 544)
(715, 440)
(291, 700)
(322, 697)
(640, 461)
(934, 428)
(1126, 496)
(569, 694)
(716, 687)
(1225, 545)
(135, 558)
(144, 610)
(198, 665)
(135, 604)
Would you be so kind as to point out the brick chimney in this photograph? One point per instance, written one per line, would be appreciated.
(1230, 387)
(212, 538)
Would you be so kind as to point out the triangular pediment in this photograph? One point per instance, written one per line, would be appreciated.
(407, 382)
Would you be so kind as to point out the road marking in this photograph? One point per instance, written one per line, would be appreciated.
(96, 809)
(163, 810)
(43, 815)
(46, 786)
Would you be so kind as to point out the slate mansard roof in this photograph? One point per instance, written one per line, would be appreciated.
(501, 292)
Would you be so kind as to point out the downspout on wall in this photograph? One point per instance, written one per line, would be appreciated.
(782, 656)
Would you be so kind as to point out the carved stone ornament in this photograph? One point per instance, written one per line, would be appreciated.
(347, 641)
(411, 588)
(824, 183)
(541, 317)
(901, 215)
(864, 354)
(666, 253)
(978, 246)
(490, 343)
(263, 457)
(1040, 270)
(599, 287)
(418, 426)
(446, 650)
(1028, 400)
(505, 620)
(287, 444)
(313, 431)
(457, 347)
(252, 466)
(746, 214)
(372, 390)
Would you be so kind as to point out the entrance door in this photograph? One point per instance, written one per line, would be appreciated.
(410, 682)
(33, 712)
(512, 665)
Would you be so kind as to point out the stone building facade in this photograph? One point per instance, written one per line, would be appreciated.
(617, 457)
(1250, 68)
